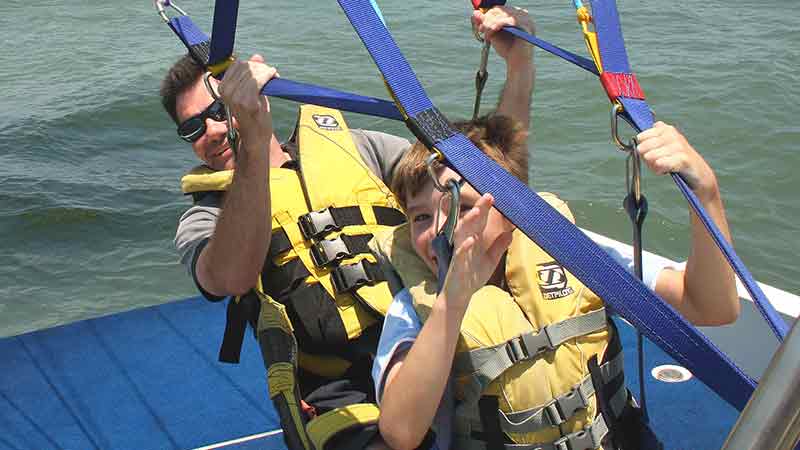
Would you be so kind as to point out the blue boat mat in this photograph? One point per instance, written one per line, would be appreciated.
(143, 379)
(150, 379)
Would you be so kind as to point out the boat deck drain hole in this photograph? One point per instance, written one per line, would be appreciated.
(670, 373)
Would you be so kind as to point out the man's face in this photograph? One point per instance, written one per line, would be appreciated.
(212, 147)
(422, 210)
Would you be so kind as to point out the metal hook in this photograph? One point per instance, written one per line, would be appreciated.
(616, 112)
(161, 6)
(433, 158)
(480, 78)
(633, 174)
(233, 135)
(451, 189)
(449, 227)
(476, 33)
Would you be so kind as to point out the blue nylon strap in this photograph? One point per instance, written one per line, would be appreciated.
(560, 238)
(322, 96)
(192, 36)
(580, 61)
(615, 59)
(223, 30)
(187, 31)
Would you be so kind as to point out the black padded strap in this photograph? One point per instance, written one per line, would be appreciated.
(239, 314)
(278, 281)
(278, 243)
(492, 434)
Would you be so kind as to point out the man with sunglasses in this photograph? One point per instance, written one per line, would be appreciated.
(286, 270)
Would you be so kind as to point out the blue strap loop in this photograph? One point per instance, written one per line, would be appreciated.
(198, 45)
(223, 32)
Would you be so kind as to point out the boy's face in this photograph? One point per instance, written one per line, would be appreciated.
(422, 210)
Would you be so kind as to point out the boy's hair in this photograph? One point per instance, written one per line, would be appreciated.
(501, 138)
(180, 77)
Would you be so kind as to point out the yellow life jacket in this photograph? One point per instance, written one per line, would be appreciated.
(521, 369)
(318, 271)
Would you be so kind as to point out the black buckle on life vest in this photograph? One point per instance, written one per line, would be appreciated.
(329, 251)
(565, 406)
(316, 224)
(352, 276)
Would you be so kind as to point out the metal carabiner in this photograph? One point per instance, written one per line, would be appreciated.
(429, 161)
(451, 190)
(233, 135)
(449, 226)
(633, 174)
(161, 6)
(616, 112)
(480, 78)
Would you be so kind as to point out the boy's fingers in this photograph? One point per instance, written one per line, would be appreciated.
(499, 246)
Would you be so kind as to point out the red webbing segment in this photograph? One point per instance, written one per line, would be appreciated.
(621, 85)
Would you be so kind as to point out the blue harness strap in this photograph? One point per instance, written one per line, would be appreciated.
(322, 96)
(223, 30)
(198, 45)
(615, 59)
(560, 238)
(584, 63)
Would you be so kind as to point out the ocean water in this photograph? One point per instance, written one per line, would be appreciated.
(90, 164)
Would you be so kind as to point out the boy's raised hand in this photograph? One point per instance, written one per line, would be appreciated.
(477, 250)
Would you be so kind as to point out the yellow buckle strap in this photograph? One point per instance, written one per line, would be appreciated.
(281, 382)
(590, 37)
(324, 427)
(281, 378)
(221, 66)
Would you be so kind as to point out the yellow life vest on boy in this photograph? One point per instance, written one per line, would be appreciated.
(318, 271)
(521, 365)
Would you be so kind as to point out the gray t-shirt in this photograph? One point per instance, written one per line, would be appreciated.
(379, 151)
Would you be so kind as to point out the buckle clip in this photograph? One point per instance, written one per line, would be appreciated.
(579, 440)
(517, 350)
(329, 252)
(564, 407)
(350, 277)
(315, 224)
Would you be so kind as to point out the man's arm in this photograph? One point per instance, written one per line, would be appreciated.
(705, 292)
(515, 100)
(232, 260)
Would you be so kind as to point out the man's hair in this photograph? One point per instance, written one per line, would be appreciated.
(501, 138)
(180, 77)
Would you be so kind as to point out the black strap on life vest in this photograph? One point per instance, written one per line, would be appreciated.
(492, 434)
(239, 314)
(316, 224)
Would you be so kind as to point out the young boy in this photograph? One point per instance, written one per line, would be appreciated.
(502, 295)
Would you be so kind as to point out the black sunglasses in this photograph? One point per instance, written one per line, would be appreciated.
(193, 128)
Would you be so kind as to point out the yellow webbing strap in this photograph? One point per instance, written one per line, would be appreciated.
(281, 381)
(273, 314)
(590, 37)
(324, 427)
(324, 366)
(221, 66)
